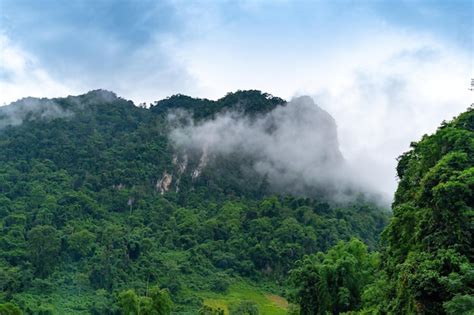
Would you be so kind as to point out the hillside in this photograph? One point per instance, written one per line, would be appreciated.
(425, 265)
(429, 255)
(103, 203)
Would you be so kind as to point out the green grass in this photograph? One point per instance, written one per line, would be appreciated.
(243, 291)
(74, 298)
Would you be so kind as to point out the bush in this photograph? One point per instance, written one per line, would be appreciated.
(245, 308)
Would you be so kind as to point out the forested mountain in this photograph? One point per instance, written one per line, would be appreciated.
(429, 255)
(111, 208)
(234, 206)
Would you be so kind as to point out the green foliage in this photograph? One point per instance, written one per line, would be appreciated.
(129, 302)
(161, 303)
(334, 282)
(428, 261)
(241, 290)
(460, 305)
(83, 225)
(250, 102)
(44, 243)
(220, 284)
(157, 302)
(102, 304)
(209, 310)
(81, 243)
(9, 309)
(245, 308)
(293, 309)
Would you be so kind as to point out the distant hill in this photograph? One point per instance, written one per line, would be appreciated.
(99, 196)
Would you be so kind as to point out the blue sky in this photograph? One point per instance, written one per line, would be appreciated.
(84, 44)
(374, 65)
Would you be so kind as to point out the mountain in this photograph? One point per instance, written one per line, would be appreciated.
(429, 255)
(107, 206)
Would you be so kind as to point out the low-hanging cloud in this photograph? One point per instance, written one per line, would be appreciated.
(295, 146)
(30, 109)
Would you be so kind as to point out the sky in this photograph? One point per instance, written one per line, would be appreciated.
(387, 71)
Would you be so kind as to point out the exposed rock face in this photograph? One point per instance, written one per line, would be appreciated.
(182, 165)
(119, 186)
(163, 185)
(202, 164)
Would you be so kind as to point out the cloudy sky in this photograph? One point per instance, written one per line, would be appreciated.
(388, 71)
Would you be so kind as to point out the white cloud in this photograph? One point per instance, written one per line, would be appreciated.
(22, 75)
(393, 98)
(385, 88)
(294, 145)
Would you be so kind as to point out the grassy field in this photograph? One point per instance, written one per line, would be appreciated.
(268, 304)
(74, 299)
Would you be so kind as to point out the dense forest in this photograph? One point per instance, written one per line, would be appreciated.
(102, 213)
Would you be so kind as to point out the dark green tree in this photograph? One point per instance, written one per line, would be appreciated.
(244, 308)
(129, 302)
(10, 309)
(209, 310)
(45, 244)
(334, 282)
(428, 260)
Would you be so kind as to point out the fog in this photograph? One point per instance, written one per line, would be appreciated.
(30, 109)
(295, 146)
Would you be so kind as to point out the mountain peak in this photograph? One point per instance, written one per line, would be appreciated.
(101, 95)
(249, 102)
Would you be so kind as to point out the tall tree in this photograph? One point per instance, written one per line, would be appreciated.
(429, 255)
(333, 282)
(45, 244)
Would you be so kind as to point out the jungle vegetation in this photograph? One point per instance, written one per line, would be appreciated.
(87, 228)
